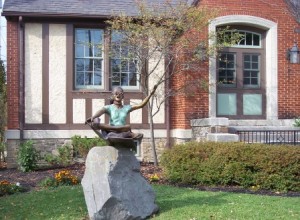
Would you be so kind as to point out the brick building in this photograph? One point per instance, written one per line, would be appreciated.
(48, 102)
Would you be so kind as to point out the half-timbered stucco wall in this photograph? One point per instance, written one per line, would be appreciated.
(53, 109)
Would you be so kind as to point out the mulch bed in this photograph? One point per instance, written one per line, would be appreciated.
(31, 180)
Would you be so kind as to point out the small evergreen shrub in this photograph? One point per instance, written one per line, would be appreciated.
(28, 157)
(82, 145)
(256, 166)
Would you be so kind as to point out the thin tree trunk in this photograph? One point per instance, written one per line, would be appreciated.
(152, 140)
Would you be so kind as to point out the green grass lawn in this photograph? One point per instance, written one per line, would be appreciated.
(175, 204)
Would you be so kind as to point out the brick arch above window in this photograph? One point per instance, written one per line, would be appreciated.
(271, 60)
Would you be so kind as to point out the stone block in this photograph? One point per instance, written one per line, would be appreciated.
(113, 187)
(222, 137)
(209, 122)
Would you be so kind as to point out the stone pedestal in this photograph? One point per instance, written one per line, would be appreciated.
(212, 129)
(113, 187)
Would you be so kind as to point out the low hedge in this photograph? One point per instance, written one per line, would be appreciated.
(256, 166)
(82, 145)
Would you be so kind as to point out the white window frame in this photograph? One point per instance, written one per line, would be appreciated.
(93, 58)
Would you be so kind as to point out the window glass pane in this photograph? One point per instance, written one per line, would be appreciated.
(229, 57)
(222, 63)
(123, 62)
(256, 40)
(88, 47)
(226, 71)
(79, 64)
(88, 65)
(88, 51)
(80, 78)
(242, 38)
(98, 65)
(254, 81)
(254, 58)
(124, 79)
(249, 39)
(247, 58)
(115, 65)
(88, 78)
(133, 66)
(246, 74)
(95, 36)
(226, 104)
(255, 66)
(98, 50)
(124, 65)
(79, 36)
(254, 74)
(132, 79)
(246, 81)
(98, 78)
(115, 79)
(252, 104)
(79, 50)
(251, 71)
(247, 65)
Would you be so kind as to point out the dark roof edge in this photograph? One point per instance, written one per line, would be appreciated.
(30, 14)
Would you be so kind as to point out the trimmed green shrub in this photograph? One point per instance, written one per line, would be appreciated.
(28, 157)
(82, 145)
(256, 166)
(64, 158)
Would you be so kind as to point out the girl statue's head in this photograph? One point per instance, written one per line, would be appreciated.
(117, 95)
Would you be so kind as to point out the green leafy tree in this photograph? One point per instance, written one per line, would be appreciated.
(165, 42)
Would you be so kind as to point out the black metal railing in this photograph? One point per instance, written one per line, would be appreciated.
(291, 137)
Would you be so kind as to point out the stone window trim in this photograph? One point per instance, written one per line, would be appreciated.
(271, 60)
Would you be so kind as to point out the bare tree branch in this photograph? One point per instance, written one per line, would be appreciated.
(294, 7)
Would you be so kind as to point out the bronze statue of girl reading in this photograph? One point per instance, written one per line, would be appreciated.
(117, 127)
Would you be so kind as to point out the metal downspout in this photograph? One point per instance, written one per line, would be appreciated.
(21, 77)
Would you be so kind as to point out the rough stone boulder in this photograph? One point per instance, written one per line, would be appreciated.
(113, 187)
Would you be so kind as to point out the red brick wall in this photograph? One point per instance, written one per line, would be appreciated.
(288, 74)
(12, 75)
(194, 102)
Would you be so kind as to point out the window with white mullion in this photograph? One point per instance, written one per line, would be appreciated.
(124, 69)
(227, 70)
(88, 58)
(248, 39)
(251, 72)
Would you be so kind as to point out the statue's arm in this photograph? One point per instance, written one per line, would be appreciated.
(145, 101)
(96, 115)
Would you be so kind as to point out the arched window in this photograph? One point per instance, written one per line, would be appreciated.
(241, 76)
